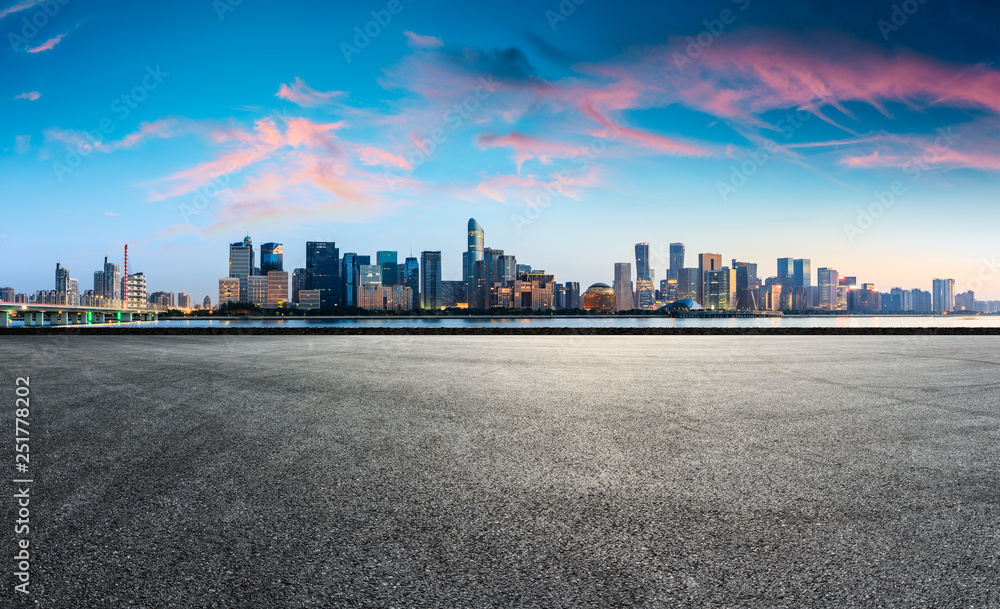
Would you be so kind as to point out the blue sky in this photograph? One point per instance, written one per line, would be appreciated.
(751, 129)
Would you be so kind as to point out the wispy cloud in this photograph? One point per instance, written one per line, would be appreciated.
(418, 41)
(30, 96)
(111, 213)
(18, 7)
(300, 93)
(22, 144)
(48, 44)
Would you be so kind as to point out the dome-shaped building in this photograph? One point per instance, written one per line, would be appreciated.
(683, 305)
(599, 297)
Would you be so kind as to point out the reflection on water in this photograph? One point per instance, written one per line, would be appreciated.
(914, 321)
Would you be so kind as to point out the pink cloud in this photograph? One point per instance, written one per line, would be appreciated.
(501, 188)
(527, 147)
(418, 41)
(18, 7)
(48, 44)
(369, 155)
(302, 94)
(30, 96)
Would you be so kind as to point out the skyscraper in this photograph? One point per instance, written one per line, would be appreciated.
(323, 271)
(390, 271)
(298, 283)
(706, 262)
(572, 300)
(348, 280)
(829, 281)
(643, 277)
(277, 288)
(112, 281)
(430, 280)
(943, 295)
(719, 289)
(62, 279)
(241, 264)
(676, 260)
(411, 279)
(746, 287)
(474, 253)
(271, 258)
(624, 298)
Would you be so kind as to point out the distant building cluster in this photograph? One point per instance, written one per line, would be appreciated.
(737, 287)
(330, 280)
(493, 279)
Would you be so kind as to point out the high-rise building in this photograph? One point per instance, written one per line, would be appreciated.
(137, 296)
(746, 287)
(474, 253)
(323, 271)
(802, 272)
(706, 262)
(687, 284)
(271, 258)
(62, 279)
(943, 295)
(99, 283)
(786, 271)
(965, 301)
(7, 295)
(624, 298)
(430, 280)
(390, 267)
(829, 281)
(453, 293)
(299, 284)
(241, 263)
(719, 289)
(572, 300)
(112, 281)
(676, 260)
(207, 303)
(348, 278)
(257, 290)
(411, 279)
(384, 297)
(368, 274)
(643, 277)
(277, 289)
(922, 300)
(73, 293)
(183, 300)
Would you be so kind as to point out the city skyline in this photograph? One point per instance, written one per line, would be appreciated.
(365, 125)
(328, 280)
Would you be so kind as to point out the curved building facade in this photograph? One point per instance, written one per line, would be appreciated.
(471, 256)
(599, 297)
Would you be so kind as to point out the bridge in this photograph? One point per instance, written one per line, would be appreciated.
(63, 315)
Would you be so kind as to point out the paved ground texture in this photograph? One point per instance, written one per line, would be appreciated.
(409, 472)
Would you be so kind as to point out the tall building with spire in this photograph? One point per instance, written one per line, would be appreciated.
(643, 277)
(474, 253)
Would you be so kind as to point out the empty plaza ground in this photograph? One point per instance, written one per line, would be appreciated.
(509, 471)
